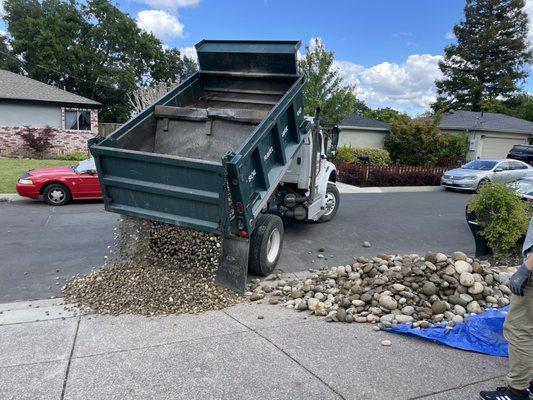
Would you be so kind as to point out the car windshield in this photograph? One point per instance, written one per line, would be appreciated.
(85, 166)
(480, 165)
(524, 186)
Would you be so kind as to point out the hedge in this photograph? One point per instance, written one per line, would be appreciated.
(350, 154)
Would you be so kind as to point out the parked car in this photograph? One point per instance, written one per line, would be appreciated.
(524, 188)
(474, 174)
(522, 152)
(59, 185)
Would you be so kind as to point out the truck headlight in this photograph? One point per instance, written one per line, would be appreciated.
(25, 181)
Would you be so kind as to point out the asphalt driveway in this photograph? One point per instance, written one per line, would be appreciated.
(39, 244)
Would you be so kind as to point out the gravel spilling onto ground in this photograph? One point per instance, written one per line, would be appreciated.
(435, 289)
(153, 269)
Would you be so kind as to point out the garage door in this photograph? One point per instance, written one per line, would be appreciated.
(496, 147)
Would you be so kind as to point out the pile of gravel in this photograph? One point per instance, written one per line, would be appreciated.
(435, 289)
(154, 269)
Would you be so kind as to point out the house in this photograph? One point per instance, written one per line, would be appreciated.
(358, 131)
(27, 102)
(490, 135)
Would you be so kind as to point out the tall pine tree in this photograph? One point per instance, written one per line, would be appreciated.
(487, 61)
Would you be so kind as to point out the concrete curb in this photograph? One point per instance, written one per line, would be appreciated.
(10, 197)
(344, 188)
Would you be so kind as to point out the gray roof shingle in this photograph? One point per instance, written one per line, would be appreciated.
(477, 121)
(17, 87)
(359, 121)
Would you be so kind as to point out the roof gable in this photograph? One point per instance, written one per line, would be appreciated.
(359, 121)
(18, 87)
(485, 121)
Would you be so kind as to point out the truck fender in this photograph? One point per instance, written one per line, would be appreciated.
(329, 175)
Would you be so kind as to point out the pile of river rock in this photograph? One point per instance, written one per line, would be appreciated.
(386, 289)
(153, 269)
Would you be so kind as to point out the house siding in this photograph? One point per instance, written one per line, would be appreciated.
(475, 146)
(362, 138)
(35, 115)
(64, 140)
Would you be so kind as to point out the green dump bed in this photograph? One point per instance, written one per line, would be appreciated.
(210, 152)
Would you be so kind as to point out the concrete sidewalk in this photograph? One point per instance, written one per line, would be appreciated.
(228, 354)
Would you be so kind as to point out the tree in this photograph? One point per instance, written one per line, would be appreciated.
(324, 86)
(8, 61)
(386, 114)
(488, 60)
(419, 141)
(91, 49)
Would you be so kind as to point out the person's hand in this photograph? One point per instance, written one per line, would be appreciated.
(519, 280)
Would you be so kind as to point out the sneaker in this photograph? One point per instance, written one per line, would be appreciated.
(504, 393)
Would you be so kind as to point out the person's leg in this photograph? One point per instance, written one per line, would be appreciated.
(518, 330)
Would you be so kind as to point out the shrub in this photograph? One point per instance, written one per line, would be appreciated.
(351, 155)
(503, 216)
(419, 141)
(75, 156)
(359, 175)
(38, 140)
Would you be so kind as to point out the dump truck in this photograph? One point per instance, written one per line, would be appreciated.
(227, 151)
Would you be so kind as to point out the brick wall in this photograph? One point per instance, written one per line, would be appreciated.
(64, 141)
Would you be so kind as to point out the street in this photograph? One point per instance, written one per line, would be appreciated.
(41, 243)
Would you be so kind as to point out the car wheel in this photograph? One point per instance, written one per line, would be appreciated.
(57, 194)
(333, 200)
(482, 183)
(265, 244)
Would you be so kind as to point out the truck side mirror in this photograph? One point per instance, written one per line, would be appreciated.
(334, 136)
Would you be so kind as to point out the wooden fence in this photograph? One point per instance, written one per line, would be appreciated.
(105, 128)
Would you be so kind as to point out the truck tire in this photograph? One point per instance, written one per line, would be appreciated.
(333, 200)
(265, 244)
(56, 194)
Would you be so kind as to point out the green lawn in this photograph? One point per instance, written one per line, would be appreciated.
(12, 168)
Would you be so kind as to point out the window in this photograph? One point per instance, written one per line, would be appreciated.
(518, 165)
(78, 120)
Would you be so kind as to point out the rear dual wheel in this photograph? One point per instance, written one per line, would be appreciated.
(266, 243)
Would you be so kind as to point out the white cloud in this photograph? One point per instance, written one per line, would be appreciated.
(163, 25)
(529, 10)
(408, 86)
(450, 35)
(190, 52)
(171, 4)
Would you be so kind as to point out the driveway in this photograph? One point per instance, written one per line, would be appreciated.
(41, 243)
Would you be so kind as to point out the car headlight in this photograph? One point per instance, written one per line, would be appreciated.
(470, 178)
(25, 181)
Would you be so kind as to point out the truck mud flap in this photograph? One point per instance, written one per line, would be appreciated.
(233, 266)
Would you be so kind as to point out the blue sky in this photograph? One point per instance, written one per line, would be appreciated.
(389, 49)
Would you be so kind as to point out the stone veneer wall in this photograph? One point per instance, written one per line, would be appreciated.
(64, 141)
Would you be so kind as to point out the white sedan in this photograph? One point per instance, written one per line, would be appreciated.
(478, 172)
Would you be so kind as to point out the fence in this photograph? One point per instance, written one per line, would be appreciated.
(105, 128)
(391, 175)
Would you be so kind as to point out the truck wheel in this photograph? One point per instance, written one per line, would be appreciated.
(333, 199)
(265, 244)
(56, 194)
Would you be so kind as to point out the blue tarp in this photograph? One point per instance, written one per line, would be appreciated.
(481, 333)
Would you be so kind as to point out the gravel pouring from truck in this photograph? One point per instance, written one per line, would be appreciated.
(227, 151)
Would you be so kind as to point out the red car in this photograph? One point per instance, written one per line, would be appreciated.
(59, 185)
